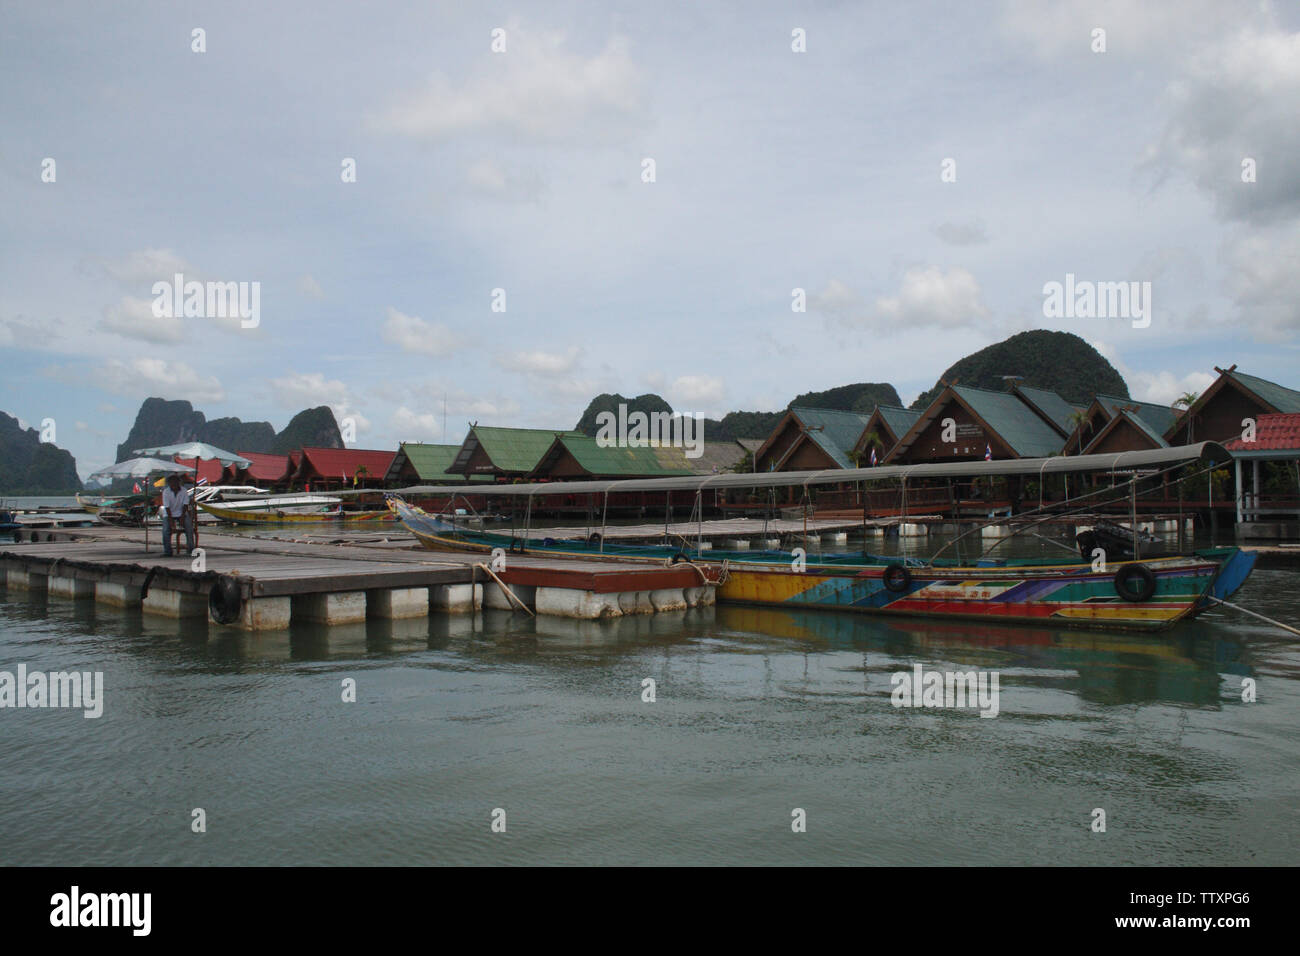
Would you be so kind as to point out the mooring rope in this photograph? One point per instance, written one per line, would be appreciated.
(1244, 610)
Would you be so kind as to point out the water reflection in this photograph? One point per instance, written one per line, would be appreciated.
(1188, 665)
(1185, 665)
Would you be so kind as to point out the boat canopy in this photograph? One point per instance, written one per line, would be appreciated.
(1126, 461)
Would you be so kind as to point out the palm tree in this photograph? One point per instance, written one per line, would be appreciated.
(1187, 400)
(1077, 418)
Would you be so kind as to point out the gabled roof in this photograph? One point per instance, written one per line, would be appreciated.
(898, 419)
(265, 467)
(511, 450)
(1050, 406)
(835, 432)
(717, 457)
(1159, 417)
(1018, 425)
(429, 462)
(1124, 415)
(614, 462)
(210, 468)
(1285, 400)
(1278, 397)
(1272, 433)
(343, 463)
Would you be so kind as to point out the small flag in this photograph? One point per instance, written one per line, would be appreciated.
(203, 481)
(873, 456)
(988, 453)
(136, 487)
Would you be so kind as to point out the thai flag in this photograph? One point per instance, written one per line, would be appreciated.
(202, 481)
(873, 456)
(988, 453)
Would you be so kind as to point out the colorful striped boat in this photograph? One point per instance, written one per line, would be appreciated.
(1137, 595)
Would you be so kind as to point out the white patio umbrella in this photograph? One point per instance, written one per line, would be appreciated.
(199, 451)
(140, 468)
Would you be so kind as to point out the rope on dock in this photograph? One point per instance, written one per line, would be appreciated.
(505, 587)
(1238, 607)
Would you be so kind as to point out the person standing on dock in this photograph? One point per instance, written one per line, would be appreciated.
(176, 506)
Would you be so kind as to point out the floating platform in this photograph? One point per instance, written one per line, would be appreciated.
(265, 584)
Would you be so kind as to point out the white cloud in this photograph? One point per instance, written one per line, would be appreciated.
(1236, 100)
(300, 390)
(1158, 387)
(413, 334)
(538, 90)
(930, 297)
(542, 364)
(415, 426)
(1263, 278)
(697, 390)
(149, 265)
(133, 318)
(155, 376)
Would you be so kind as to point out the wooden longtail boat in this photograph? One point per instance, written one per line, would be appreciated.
(1145, 594)
(1141, 595)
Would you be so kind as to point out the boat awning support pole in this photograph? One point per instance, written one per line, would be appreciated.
(902, 520)
(604, 513)
(1237, 467)
(528, 520)
(1133, 513)
(699, 532)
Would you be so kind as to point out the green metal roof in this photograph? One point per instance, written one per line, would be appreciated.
(835, 432)
(429, 461)
(615, 462)
(1015, 422)
(1050, 404)
(898, 419)
(1158, 417)
(1146, 428)
(509, 449)
(1279, 396)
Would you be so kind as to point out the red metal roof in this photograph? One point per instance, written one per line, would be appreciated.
(265, 467)
(342, 463)
(1272, 433)
(210, 469)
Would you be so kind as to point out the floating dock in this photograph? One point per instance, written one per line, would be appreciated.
(265, 584)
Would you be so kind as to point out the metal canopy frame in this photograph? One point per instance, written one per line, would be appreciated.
(1120, 461)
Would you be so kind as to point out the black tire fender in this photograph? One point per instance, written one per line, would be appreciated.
(1124, 579)
(225, 601)
(897, 577)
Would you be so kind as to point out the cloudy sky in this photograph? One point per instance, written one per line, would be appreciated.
(524, 171)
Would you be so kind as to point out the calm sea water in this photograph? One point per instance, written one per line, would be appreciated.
(758, 712)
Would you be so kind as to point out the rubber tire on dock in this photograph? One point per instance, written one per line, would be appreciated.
(679, 557)
(1124, 576)
(225, 602)
(594, 539)
(893, 572)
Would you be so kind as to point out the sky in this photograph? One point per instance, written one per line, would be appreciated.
(920, 171)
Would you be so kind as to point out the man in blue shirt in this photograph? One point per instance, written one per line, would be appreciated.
(176, 507)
